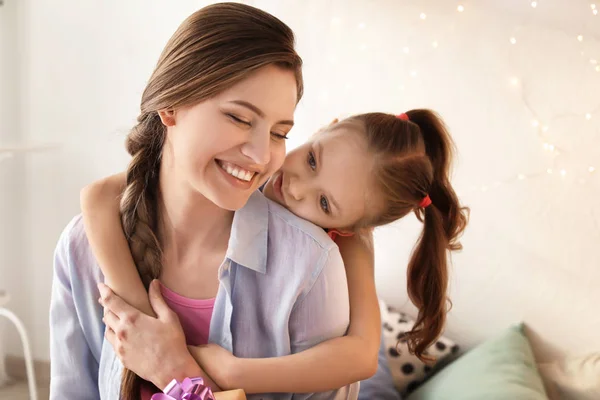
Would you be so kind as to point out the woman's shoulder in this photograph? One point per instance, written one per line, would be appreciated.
(288, 250)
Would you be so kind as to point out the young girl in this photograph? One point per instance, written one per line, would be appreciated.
(365, 171)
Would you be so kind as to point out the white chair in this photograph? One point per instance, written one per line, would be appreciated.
(4, 298)
(5, 154)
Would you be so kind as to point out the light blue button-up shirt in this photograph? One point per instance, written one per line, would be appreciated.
(282, 290)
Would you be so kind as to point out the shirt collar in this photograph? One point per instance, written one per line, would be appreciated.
(250, 233)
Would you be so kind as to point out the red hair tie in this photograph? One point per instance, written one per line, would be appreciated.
(426, 202)
(403, 117)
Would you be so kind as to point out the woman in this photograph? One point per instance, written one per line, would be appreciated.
(278, 281)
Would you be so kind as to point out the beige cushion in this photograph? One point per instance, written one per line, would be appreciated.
(574, 378)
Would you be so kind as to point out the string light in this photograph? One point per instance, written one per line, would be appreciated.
(406, 50)
(413, 74)
(362, 25)
(423, 16)
(535, 123)
(549, 147)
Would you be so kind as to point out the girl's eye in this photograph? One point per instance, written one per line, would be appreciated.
(312, 162)
(324, 204)
(238, 120)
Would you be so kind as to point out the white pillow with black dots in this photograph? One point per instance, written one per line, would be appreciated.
(407, 370)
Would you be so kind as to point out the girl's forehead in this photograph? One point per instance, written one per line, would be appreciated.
(344, 134)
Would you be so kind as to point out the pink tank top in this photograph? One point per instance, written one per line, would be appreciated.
(194, 316)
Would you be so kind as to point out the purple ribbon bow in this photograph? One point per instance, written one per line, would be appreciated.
(189, 389)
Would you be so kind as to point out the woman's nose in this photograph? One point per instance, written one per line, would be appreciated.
(258, 148)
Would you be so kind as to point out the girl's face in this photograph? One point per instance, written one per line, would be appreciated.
(328, 179)
(225, 147)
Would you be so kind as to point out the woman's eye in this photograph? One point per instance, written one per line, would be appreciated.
(312, 162)
(324, 204)
(238, 120)
(278, 135)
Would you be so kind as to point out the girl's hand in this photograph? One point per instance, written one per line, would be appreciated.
(153, 348)
(220, 364)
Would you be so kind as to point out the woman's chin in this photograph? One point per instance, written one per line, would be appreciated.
(231, 202)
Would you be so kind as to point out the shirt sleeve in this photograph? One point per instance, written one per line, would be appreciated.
(322, 314)
(75, 330)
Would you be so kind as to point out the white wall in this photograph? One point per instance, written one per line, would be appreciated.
(13, 258)
(530, 251)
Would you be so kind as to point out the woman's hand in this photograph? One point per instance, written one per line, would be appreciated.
(220, 364)
(153, 348)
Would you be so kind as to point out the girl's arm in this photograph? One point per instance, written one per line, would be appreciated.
(329, 365)
(101, 218)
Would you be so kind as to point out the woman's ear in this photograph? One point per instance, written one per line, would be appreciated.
(167, 117)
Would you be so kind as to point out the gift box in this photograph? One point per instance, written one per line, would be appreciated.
(195, 389)
(231, 395)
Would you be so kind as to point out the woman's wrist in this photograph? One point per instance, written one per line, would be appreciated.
(183, 367)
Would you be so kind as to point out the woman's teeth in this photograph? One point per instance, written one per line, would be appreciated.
(237, 171)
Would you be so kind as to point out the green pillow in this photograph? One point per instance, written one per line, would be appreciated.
(501, 368)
